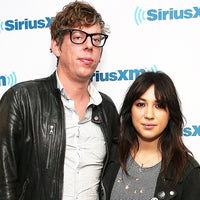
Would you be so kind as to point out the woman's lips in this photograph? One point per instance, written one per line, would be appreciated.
(148, 126)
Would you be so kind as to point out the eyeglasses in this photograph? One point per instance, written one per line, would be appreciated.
(79, 37)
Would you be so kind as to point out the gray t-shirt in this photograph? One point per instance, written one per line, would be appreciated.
(139, 185)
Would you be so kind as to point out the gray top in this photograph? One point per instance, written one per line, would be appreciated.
(139, 185)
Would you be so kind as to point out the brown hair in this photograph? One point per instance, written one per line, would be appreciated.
(75, 14)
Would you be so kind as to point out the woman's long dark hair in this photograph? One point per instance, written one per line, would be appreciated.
(174, 152)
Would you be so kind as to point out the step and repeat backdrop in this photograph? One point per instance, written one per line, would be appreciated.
(144, 36)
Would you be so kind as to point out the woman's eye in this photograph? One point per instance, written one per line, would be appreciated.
(140, 104)
(160, 105)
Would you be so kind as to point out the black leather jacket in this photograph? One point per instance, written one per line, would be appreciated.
(32, 141)
(187, 187)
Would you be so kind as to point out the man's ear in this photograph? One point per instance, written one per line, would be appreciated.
(55, 48)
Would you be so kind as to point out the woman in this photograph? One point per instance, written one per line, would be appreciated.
(155, 163)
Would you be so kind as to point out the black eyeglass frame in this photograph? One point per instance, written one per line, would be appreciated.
(87, 35)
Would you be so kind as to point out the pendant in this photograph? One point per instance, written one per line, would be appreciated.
(140, 168)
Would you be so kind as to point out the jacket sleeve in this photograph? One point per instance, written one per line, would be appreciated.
(9, 129)
(191, 185)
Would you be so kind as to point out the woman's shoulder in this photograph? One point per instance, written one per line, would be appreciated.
(192, 162)
(191, 165)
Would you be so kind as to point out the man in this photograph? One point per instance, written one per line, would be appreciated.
(58, 135)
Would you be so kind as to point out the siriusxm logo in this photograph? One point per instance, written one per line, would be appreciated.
(8, 80)
(191, 131)
(26, 24)
(120, 75)
(171, 14)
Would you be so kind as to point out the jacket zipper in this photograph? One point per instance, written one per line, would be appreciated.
(51, 134)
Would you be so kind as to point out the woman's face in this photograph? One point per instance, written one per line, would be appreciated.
(148, 117)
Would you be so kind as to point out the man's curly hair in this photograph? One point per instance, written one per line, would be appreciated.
(75, 15)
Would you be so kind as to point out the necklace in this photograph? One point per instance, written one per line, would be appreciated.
(151, 161)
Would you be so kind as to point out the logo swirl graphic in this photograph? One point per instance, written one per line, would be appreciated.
(11, 79)
(1, 26)
(139, 15)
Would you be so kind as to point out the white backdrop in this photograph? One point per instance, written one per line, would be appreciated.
(145, 36)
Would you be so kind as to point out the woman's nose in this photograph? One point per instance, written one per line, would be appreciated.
(149, 113)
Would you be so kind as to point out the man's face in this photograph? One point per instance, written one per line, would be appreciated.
(78, 61)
